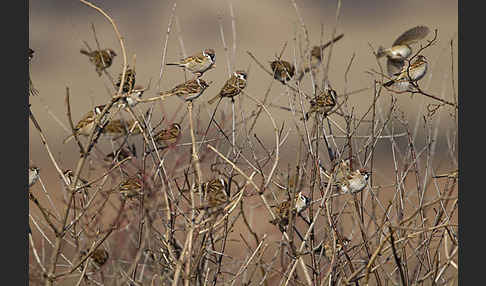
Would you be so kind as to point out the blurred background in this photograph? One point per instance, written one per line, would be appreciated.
(58, 29)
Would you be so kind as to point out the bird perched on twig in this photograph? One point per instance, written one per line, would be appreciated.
(283, 209)
(131, 187)
(129, 82)
(355, 182)
(132, 97)
(233, 86)
(216, 190)
(87, 123)
(324, 102)
(34, 173)
(409, 73)
(121, 154)
(198, 63)
(168, 136)
(120, 127)
(102, 59)
(401, 48)
(188, 90)
(99, 256)
(282, 70)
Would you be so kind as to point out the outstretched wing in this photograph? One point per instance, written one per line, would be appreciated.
(412, 35)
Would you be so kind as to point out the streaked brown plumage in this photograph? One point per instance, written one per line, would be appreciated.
(102, 59)
(283, 209)
(99, 256)
(118, 127)
(129, 82)
(233, 86)
(355, 182)
(282, 70)
(168, 136)
(417, 71)
(188, 90)
(125, 152)
(323, 103)
(87, 123)
(401, 48)
(130, 187)
(216, 190)
(198, 63)
(132, 98)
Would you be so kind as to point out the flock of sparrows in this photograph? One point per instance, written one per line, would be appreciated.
(401, 70)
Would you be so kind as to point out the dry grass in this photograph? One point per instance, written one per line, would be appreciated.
(402, 228)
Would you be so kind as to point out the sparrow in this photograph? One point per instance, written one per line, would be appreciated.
(282, 70)
(102, 59)
(355, 182)
(328, 249)
(216, 190)
(416, 70)
(32, 90)
(121, 154)
(341, 171)
(99, 256)
(87, 123)
(316, 56)
(120, 127)
(132, 97)
(131, 187)
(129, 82)
(34, 173)
(198, 63)
(400, 49)
(283, 209)
(168, 136)
(324, 102)
(188, 90)
(233, 86)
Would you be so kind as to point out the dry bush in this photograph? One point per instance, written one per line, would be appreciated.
(400, 230)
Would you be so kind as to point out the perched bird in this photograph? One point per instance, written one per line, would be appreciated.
(120, 127)
(168, 136)
(87, 123)
(216, 190)
(401, 49)
(102, 59)
(99, 256)
(283, 209)
(198, 63)
(129, 82)
(69, 174)
(131, 187)
(32, 90)
(132, 97)
(233, 86)
(355, 182)
(341, 171)
(188, 90)
(121, 154)
(416, 71)
(328, 248)
(282, 70)
(323, 102)
(34, 173)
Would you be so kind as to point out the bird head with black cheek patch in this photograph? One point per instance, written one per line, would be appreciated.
(111, 52)
(366, 173)
(210, 54)
(241, 74)
(302, 202)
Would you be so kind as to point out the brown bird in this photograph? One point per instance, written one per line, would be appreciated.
(355, 182)
(233, 86)
(87, 123)
(282, 70)
(131, 187)
(401, 48)
(99, 256)
(188, 90)
(129, 82)
(316, 56)
(168, 136)
(131, 98)
(417, 71)
(324, 102)
(198, 63)
(120, 127)
(216, 190)
(283, 209)
(102, 59)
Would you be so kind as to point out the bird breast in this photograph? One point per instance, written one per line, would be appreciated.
(400, 52)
